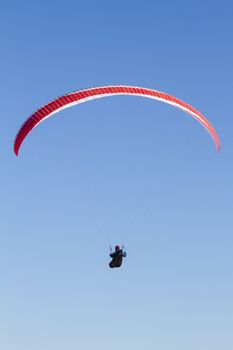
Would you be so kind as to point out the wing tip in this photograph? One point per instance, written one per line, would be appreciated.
(16, 150)
(217, 143)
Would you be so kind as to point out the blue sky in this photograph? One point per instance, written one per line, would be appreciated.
(121, 169)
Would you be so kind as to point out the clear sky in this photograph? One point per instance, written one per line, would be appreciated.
(120, 169)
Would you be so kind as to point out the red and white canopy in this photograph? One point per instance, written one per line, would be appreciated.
(80, 96)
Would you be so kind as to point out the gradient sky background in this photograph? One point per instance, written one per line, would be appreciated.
(120, 169)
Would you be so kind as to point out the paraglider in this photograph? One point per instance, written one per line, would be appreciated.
(80, 96)
(117, 257)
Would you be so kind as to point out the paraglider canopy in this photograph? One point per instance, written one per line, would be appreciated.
(80, 96)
